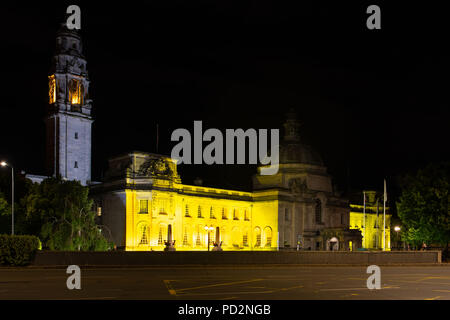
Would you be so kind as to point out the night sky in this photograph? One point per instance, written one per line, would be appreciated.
(373, 103)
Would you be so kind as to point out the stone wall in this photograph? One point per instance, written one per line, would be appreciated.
(117, 258)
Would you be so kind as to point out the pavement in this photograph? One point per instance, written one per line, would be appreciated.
(276, 282)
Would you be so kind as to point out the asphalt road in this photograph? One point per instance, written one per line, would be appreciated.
(229, 283)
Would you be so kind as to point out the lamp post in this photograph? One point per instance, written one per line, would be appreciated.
(208, 229)
(396, 229)
(4, 164)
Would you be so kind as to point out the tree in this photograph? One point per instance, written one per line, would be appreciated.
(5, 215)
(60, 213)
(21, 188)
(423, 206)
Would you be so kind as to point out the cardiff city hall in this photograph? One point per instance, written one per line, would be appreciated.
(143, 205)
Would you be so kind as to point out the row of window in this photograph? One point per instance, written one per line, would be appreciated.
(143, 209)
(200, 238)
(212, 215)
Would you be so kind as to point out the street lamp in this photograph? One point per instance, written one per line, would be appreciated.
(397, 229)
(4, 164)
(208, 229)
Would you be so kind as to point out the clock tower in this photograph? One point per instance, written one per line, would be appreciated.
(69, 119)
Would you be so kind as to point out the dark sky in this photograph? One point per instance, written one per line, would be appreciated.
(373, 103)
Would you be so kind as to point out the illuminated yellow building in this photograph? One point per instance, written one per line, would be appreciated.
(371, 223)
(155, 199)
(142, 196)
(297, 208)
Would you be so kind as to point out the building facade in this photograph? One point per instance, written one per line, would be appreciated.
(369, 220)
(143, 196)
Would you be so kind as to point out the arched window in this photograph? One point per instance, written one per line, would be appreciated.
(186, 211)
(211, 213)
(75, 92)
(186, 236)
(162, 234)
(235, 237)
(257, 233)
(268, 236)
(143, 233)
(198, 239)
(245, 238)
(375, 240)
(52, 89)
(318, 211)
(199, 212)
(224, 214)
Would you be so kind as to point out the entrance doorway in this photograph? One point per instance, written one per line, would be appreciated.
(333, 244)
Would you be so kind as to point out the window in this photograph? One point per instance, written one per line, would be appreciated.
(186, 211)
(52, 89)
(75, 91)
(185, 237)
(318, 211)
(199, 212)
(160, 236)
(286, 214)
(143, 232)
(163, 206)
(287, 237)
(235, 215)
(375, 241)
(257, 237)
(76, 135)
(143, 206)
(198, 241)
(211, 213)
(76, 164)
(224, 214)
(268, 236)
(245, 239)
(246, 215)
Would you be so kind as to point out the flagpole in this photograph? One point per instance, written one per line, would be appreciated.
(378, 223)
(384, 216)
(364, 224)
(157, 138)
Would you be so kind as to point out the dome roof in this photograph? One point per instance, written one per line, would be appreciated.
(291, 149)
(299, 153)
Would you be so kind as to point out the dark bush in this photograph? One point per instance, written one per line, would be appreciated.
(18, 250)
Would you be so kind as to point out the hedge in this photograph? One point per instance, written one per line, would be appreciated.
(18, 250)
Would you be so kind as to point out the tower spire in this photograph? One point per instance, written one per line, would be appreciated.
(291, 126)
(69, 119)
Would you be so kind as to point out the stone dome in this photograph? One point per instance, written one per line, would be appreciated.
(299, 153)
(291, 149)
